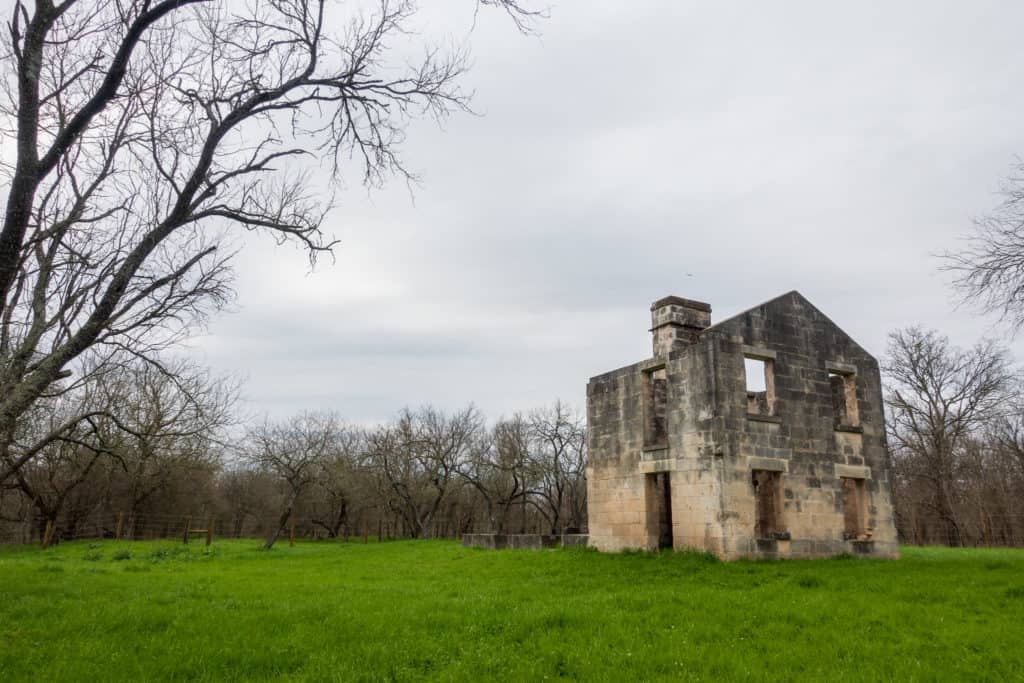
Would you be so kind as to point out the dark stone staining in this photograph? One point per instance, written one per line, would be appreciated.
(655, 408)
(766, 494)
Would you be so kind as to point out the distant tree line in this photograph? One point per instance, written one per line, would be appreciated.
(164, 444)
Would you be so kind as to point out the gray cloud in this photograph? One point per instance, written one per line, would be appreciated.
(727, 153)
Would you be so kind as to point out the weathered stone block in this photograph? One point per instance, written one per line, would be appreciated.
(488, 541)
(574, 540)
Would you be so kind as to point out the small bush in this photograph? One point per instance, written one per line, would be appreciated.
(159, 554)
(93, 554)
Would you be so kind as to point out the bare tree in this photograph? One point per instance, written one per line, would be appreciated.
(498, 470)
(938, 397)
(338, 481)
(293, 450)
(1007, 433)
(144, 130)
(170, 420)
(246, 494)
(418, 460)
(49, 481)
(989, 270)
(557, 461)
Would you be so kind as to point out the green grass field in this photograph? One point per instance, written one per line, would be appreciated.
(432, 609)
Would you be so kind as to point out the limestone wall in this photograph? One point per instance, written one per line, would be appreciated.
(713, 443)
(616, 505)
(800, 439)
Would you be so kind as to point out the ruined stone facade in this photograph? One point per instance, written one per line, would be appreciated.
(760, 436)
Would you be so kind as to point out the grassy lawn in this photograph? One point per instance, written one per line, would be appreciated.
(431, 609)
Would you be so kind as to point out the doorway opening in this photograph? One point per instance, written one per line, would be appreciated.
(659, 513)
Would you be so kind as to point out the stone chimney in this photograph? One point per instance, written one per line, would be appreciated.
(676, 322)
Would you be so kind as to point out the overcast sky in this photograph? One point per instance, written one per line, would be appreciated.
(727, 152)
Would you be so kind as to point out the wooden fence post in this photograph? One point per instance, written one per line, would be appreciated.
(291, 533)
(120, 525)
(188, 527)
(209, 532)
(47, 533)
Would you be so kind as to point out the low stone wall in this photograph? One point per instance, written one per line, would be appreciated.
(575, 540)
(488, 541)
(523, 541)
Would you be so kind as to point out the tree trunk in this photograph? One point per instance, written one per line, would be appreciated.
(276, 532)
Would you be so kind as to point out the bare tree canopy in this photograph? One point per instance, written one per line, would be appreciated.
(418, 459)
(558, 462)
(938, 398)
(989, 270)
(145, 428)
(144, 131)
(295, 451)
(427, 473)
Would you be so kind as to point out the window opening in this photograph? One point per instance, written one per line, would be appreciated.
(766, 510)
(844, 398)
(760, 381)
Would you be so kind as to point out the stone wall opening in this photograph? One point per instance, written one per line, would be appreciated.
(844, 398)
(659, 512)
(760, 384)
(854, 509)
(766, 504)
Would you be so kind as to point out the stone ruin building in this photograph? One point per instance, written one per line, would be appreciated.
(760, 436)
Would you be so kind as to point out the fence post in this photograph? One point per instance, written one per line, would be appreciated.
(188, 527)
(209, 532)
(291, 533)
(46, 534)
(120, 525)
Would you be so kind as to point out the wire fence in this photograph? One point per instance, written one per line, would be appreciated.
(989, 530)
(188, 528)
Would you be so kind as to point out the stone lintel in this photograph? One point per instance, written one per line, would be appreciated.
(654, 466)
(768, 464)
(852, 429)
(840, 368)
(758, 352)
(853, 471)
